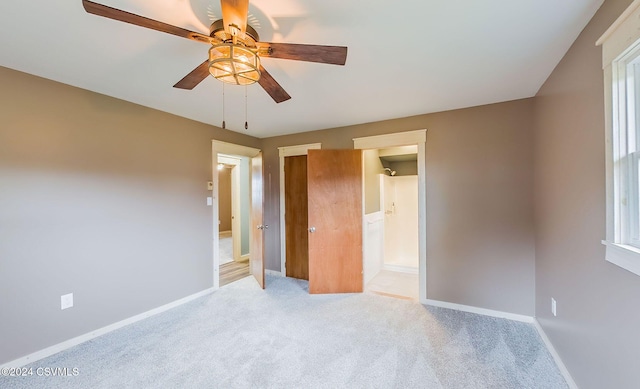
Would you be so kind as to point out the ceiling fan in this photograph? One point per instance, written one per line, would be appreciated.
(234, 56)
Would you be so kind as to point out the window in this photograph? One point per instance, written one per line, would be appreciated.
(621, 63)
(626, 145)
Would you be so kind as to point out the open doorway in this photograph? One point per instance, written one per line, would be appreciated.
(226, 213)
(392, 223)
(233, 191)
(394, 226)
(233, 198)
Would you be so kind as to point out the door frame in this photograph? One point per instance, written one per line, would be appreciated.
(219, 147)
(408, 138)
(288, 151)
(236, 233)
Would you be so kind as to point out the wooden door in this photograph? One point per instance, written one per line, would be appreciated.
(296, 216)
(256, 249)
(334, 182)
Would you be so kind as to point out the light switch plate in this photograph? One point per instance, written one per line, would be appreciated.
(209, 201)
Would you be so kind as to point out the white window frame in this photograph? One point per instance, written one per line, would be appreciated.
(621, 47)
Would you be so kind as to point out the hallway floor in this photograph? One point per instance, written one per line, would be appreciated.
(226, 248)
(233, 271)
(394, 284)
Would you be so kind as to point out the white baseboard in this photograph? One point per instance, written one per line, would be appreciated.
(556, 357)
(101, 331)
(512, 316)
(480, 311)
(272, 273)
(245, 257)
(225, 234)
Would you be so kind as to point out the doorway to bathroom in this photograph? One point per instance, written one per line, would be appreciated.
(394, 214)
(396, 273)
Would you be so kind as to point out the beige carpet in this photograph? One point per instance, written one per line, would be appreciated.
(244, 337)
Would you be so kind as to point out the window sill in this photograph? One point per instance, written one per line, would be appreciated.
(627, 257)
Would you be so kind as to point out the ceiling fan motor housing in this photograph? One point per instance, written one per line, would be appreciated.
(248, 38)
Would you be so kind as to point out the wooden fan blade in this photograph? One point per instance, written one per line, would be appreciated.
(272, 87)
(195, 77)
(234, 13)
(334, 55)
(127, 17)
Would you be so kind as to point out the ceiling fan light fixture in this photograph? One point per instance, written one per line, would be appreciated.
(234, 57)
(234, 64)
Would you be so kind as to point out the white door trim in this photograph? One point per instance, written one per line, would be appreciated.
(218, 147)
(288, 151)
(419, 138)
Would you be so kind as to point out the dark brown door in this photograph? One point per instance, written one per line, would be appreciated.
(334, 182)
(256, 249)
(296, 216)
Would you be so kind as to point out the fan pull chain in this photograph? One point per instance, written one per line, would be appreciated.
(246, 120)
(224, 125)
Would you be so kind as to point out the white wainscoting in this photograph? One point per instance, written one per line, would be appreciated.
(373, 245)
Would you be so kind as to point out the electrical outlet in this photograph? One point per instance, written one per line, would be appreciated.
(66, 301)
(553, 307)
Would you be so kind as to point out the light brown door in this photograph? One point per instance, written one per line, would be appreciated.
(295, 216)
(256, 248)
(334, 182)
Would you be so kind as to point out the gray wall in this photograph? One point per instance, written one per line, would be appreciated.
(99, 197)
(596, 330)
(480, 247)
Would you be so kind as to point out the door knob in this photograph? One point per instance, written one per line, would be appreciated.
(265, 227)
(312, 229)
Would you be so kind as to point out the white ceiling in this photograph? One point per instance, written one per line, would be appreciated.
(405, 57)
